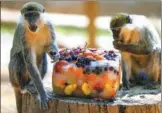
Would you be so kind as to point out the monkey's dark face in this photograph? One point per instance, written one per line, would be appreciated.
(32, 18)
(117, 22)
(116, 32)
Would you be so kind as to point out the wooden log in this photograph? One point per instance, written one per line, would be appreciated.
(136, 100)
(91, 8)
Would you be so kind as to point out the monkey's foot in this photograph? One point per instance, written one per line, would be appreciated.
(30, 88)
(153, 85)
(44, 101)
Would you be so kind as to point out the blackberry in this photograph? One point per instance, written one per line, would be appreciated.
(83, 61)
(74, 57)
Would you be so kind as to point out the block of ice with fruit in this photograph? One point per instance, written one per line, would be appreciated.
(87, 72)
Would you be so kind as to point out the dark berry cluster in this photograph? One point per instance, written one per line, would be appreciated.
(99, 69)
(83, 61)
(70, 54)
(110, 55)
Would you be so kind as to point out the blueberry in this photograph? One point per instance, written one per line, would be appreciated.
(87, 70)
(98, 72)
(61, 58)
(142, 76)
(97, 68)
(94, 71)
(69, 59)
(111, 52)
(82, 65)
(78, 64)
(115, 71)
(111, 68)
(105, 69)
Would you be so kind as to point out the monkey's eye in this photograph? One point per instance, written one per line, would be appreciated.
(32, 14)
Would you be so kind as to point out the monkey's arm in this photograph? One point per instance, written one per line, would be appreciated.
(125, 79)
(20, 45)
(131, 48)
(52, 48)
(137, 40)
(18, 36)
(29, 57)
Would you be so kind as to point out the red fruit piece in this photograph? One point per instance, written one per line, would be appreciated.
(58, 66)
(98, 86)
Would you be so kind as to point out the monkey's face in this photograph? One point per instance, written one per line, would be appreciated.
(117, 22)
(116, 32)
(32, 19)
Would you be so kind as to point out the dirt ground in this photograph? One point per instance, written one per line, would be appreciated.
(8, 104)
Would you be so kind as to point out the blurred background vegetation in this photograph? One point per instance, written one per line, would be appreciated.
(75, 23)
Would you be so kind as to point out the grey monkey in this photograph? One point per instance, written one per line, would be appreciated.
(140, 47)
(33, 39)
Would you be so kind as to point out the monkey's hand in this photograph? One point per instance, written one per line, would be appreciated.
(131, 48)
(54, 56)
(52, 51)
(44, 101)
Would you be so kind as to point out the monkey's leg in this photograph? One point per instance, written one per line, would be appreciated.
(18, 97)
(125, 80)
(30, 88)
(36, 77)
(154, 70)
(43, 65)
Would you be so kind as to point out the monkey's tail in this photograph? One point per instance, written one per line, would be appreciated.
(18, 96)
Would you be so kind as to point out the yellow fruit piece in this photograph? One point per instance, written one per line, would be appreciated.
(70, 88)
(110, 91)
(108, 86)
(86, 89)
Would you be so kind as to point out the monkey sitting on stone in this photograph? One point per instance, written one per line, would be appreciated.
(34, 37)
(140, 47)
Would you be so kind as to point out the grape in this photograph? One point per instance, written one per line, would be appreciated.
(110, 55)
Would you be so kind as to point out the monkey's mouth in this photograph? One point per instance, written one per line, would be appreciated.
(33, 28)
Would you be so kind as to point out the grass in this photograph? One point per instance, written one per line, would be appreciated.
(65, 30)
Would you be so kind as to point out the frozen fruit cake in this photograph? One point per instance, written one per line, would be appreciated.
(87, 72)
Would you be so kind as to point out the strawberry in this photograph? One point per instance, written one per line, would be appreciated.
(58, 66)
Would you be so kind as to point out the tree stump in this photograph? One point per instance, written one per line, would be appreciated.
(136, 100)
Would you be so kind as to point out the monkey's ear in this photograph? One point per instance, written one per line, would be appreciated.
(43, 10)
(21, 11)
(128, 19)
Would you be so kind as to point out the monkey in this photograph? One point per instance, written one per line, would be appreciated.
(34, 39)
(140, 47)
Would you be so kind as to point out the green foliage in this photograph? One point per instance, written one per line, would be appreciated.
(64, 30)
